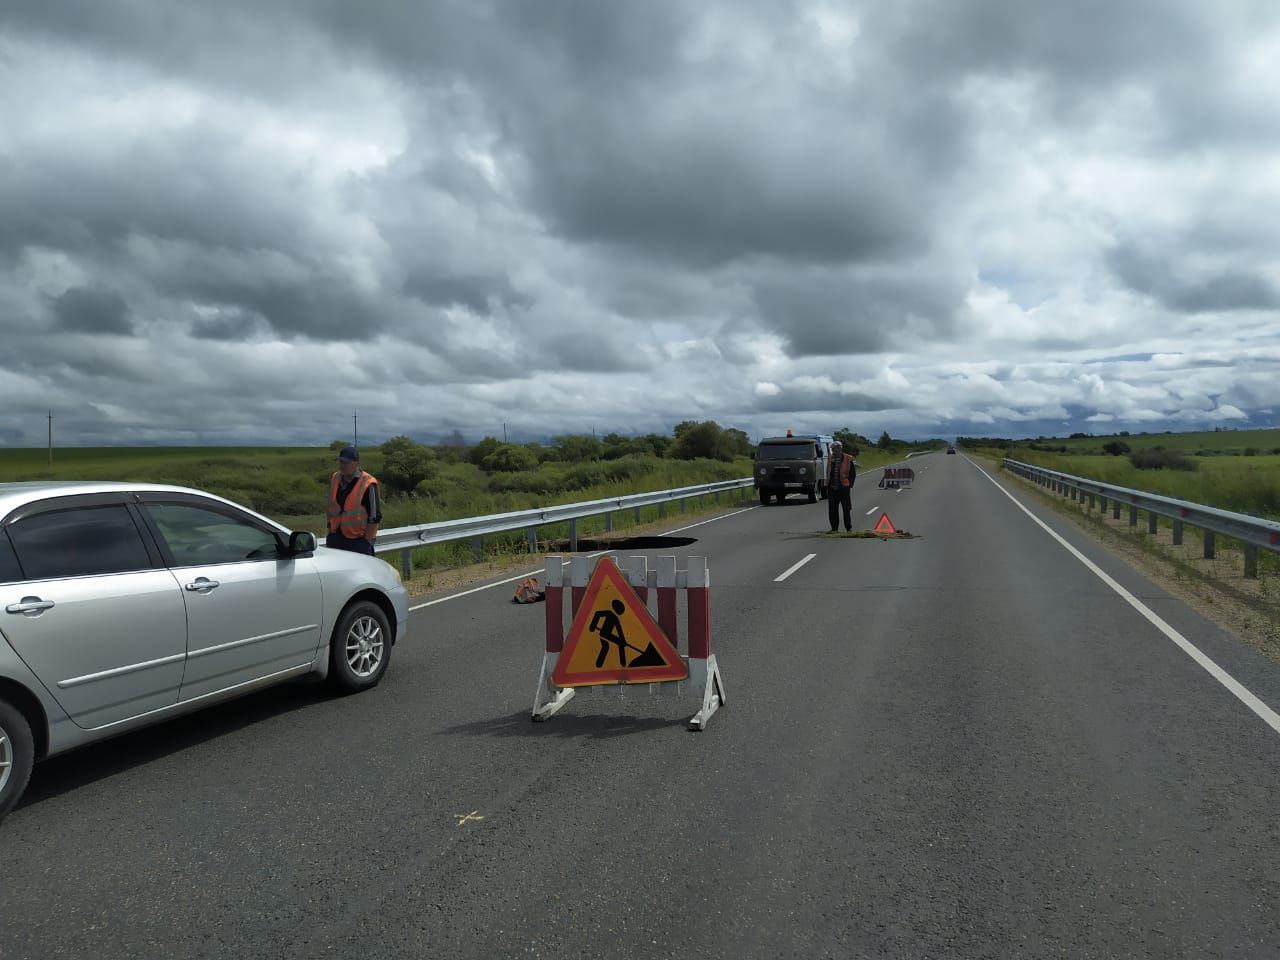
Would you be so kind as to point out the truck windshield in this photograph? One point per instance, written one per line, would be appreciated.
(785, 451)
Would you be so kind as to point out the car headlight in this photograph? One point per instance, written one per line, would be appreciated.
(763, 471)
(803, 471)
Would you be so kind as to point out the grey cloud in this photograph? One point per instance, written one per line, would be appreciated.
(1180, 290)
(824, 401)
(822, 312)
(92, 310)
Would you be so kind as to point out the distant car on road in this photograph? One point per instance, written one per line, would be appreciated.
(127, 604)
(951, 449)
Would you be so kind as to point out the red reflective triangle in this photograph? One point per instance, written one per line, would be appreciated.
(885, 525)
(614, 638)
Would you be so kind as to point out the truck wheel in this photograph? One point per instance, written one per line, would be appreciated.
(764, 498)
(780, 495)
(822, 491)
(813, 495)
(17, 755)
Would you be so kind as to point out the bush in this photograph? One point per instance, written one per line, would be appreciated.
(509, 458)
(1115, 448)
(481, 450)
(406, 464)
(1158, 458)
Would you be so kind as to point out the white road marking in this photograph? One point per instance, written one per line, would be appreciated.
(1237, 689)
(534, 573)
(872, 510)
(793, 568)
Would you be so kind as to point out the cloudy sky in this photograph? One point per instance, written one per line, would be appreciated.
(242, 221)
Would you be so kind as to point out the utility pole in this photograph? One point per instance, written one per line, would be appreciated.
(504, 431)
(51, 438)
(355, 431)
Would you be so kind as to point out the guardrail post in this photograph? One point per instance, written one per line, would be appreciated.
(1102, 502)
(662, 509)
(1115, 509)
(608, 522)
(637, 515)
(477, 549)
(1133, 515)
(683, 504)
(1209, 543)
(1177, 533)
(1251, 561)
(1093, 500)
(406, 563)
(573, 536)
(533, 539)
(1153, 521)
(717, 496)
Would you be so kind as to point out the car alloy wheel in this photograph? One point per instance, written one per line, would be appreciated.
(365, 645)
(6, 759)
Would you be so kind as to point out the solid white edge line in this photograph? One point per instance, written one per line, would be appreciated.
(1237, 689)
(533, 573)
(793, 568)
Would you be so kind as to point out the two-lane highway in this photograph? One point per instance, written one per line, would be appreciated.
(967, 744)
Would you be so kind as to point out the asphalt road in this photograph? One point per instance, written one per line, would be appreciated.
(962, 745)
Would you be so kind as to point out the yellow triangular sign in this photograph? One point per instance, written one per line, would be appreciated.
(885, 525)
(614, 638)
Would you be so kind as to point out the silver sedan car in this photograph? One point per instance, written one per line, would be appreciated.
(127, 604)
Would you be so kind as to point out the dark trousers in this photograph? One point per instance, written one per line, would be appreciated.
(357, 545)
(837, 498)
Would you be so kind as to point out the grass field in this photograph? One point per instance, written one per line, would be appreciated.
(1234, 470)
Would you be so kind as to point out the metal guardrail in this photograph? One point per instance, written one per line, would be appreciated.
(1252, 532)
(407, 539)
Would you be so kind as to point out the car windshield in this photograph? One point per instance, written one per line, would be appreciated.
(785, 451)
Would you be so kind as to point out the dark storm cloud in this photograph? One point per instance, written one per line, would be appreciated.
(92, 311)
(824, 401)
(1177, 287)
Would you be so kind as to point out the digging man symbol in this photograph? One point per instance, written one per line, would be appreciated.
(608, 626)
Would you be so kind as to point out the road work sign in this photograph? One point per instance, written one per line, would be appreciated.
(614, 638)
(898, 477)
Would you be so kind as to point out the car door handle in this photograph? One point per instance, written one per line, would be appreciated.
(202, 585)
(29, 606)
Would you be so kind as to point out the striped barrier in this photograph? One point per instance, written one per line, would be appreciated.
(662, 583)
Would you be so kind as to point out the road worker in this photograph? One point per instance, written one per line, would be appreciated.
(354, 506)
(840, 477)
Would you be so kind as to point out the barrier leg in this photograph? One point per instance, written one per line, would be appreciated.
(548, 698)
(704, 673)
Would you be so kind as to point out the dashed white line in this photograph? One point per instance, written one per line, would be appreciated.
(872, 510)
(1237, 689)
(793, 568)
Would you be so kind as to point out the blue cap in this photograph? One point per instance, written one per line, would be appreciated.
(349, 455)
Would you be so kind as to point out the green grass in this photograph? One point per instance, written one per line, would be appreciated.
(1235, 470)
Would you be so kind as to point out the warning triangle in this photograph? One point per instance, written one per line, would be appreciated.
(614, 638)
(885, 525)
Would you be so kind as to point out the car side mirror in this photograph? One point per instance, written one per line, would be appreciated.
(300, 542)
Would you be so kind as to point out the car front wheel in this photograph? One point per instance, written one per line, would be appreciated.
(17, 755)
(361, 648)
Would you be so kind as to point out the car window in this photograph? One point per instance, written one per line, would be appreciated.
(197, 535)
(78, 542)
(10, 572)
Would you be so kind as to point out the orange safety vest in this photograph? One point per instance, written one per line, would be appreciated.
(350, 519)
(846, 467)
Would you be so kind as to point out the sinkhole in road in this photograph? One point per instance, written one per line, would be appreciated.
(594, 544)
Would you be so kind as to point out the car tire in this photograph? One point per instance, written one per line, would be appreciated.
(360, 649)
(17, 755)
